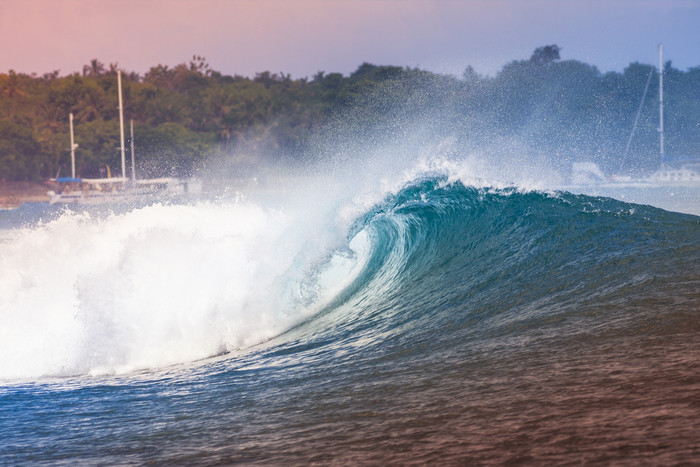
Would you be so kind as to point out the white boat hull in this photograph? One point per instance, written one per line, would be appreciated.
(143, 191)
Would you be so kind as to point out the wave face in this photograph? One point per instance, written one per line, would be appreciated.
(443, 322)
(505, 259)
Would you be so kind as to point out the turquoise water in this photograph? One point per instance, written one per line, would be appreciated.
(437, 323)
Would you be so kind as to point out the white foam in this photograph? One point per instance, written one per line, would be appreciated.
(158, 286)
(170, 284)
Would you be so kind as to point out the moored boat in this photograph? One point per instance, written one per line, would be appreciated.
(116, 189)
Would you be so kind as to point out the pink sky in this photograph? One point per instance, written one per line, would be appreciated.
(302, 37)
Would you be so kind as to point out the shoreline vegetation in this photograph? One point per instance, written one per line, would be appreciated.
(13, 193)
(190, 120)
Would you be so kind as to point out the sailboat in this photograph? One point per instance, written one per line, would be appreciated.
(684, 172)
(116, 189)
(675, 185)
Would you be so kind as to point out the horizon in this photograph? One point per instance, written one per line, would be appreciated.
(171, 66)
(301, 38)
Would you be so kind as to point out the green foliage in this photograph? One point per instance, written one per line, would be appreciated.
(170, 148)
(98, 147)
(19, 152)
(185, 114)
(543, 56)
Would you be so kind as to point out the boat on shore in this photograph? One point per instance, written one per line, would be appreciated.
(669, 175)
(674, 185)
(122, 189)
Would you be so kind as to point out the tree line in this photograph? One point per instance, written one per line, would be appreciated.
(185, 115)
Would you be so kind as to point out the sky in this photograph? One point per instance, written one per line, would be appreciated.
(302, 37)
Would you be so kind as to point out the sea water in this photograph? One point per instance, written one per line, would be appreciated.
(436, 318)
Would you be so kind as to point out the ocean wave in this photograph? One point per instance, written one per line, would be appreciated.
(168, 284)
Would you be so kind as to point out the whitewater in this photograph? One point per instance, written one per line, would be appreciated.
(433, 316)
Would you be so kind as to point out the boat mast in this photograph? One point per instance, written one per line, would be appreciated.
(121, 122)
(72, 146)
(133, 166)
(661, 102)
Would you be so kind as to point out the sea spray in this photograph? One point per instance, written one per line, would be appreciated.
(165, 284)
(428, 319)
(156, 286)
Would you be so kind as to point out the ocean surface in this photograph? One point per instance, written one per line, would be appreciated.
(435, 321)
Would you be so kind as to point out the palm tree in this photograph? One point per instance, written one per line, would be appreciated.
(12, 91)
(113, 68)
(92, 103)
(95, 69)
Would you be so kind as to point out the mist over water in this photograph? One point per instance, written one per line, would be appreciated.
(112, 290)
(103, 293)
